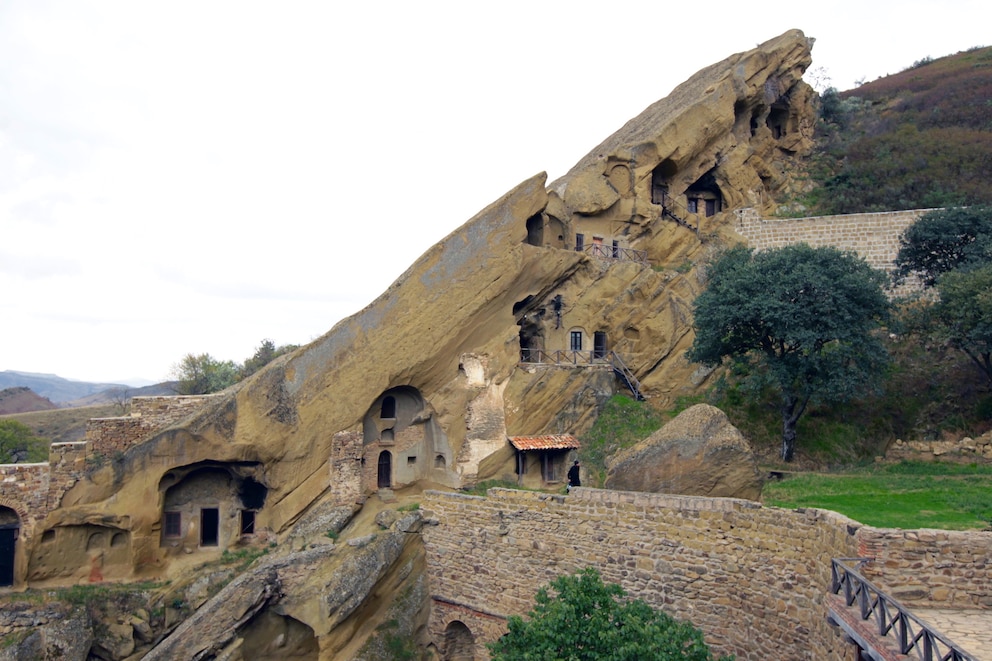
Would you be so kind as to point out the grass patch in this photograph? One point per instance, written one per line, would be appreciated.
(622, 423)
(410, 507)
(904, 495)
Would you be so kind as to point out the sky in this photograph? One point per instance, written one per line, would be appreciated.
(197, 177)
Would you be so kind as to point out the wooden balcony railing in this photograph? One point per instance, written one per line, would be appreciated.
(910, 634)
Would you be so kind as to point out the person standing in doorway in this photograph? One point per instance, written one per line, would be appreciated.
(573, 476)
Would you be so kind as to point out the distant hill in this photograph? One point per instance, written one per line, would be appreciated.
(918, 139)
(64, 392)
(53, 387)
(23, 400)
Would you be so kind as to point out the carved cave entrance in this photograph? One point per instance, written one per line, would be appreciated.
(10, 525)
(530, 319)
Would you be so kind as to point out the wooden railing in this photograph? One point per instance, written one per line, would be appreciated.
(617, 253)
(910, 634)
(576, 358)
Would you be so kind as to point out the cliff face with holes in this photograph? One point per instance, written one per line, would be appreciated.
(511, 325)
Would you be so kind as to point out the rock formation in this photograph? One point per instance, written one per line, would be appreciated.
(517, 323)
(699, 453)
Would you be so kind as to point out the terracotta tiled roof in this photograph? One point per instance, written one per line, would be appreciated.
(551, 442)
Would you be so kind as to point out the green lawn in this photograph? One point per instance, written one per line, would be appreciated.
(903, 495)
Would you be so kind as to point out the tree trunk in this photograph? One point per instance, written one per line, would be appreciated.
(792, 410)
(788, 437)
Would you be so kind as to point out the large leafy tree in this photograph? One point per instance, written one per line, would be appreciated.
(18, 444)
(797, 318)
(943, 240)
(588, 620)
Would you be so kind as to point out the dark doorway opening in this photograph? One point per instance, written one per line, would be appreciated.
(385, 470)
(209, 526)
(8, 541)
(247, 522)
(599, 344)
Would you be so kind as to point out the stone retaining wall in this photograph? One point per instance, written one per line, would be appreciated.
(930, 568)
(874, 236)
(752, 578)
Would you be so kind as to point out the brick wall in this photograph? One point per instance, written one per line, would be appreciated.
(874, 236)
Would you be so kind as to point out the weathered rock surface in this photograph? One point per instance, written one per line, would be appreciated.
(289, 600)
(605, 259)
(699, 453)
(57, 635)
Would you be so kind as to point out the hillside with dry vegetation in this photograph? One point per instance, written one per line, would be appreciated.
(918, 139)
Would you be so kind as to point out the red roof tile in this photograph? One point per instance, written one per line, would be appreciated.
(550, 442)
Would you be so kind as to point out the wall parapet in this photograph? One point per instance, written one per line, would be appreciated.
(873, 236)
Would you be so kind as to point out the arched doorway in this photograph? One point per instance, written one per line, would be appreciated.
(385, 470)
(459, 643)
(10, 526)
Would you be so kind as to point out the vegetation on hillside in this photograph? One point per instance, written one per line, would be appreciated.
(918, 139)
(589, 620)
(201, 374)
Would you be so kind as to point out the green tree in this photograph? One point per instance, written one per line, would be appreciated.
(963, 314)
(266, 352)
(18, 444)
(944, 240)
(588, 620)
(797, 318)
(202, 374)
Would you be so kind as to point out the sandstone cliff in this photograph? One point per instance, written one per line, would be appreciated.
(515, 324)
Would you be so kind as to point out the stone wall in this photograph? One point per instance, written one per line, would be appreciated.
(109, 436)
(162, 411)
(874, 236)
(723, 564)
(24, 489)
(67, 464)
(931, 568)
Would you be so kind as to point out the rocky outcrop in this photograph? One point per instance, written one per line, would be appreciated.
(699, 453)
(286, 602)
(514, 324)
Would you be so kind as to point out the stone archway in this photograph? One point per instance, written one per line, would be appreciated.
(459, 643)
(10, 528)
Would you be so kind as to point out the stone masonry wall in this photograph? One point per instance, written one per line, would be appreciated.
(160, 412)
(24, 489)
(108, 436)
(874, 236)
(935, 568)
(67, 464)
(752, 578)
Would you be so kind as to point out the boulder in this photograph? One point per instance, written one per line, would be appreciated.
(699, 453)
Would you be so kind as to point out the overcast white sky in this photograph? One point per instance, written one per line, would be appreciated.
(194, 177)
